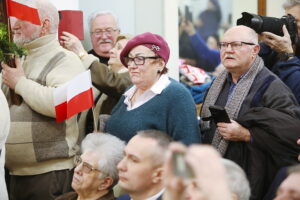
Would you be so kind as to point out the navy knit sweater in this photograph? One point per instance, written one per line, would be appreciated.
(173, 111)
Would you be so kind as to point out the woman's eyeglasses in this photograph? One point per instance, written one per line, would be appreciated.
(138, 60)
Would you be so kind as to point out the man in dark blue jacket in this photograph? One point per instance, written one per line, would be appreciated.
(280, 55)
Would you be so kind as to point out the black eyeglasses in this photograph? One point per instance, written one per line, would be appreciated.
(138, 60)
(86, 168)
(236, 45)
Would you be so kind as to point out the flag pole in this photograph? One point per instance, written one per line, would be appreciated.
(94, 119)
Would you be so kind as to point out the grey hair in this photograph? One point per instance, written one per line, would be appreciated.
(101, 13)
(111, 150)
(290, 3)
(163, 140)
(237, 180)
(47, 10)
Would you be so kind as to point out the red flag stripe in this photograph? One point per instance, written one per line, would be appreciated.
(23, 12)
(77, 104)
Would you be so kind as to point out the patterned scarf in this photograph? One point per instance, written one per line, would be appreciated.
(234, 101)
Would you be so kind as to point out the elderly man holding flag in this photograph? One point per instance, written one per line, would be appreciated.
(40, 151)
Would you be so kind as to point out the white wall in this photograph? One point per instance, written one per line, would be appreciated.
(66, 4)
(239, 6)
(275, 9)
(160, 17)
(170, 32)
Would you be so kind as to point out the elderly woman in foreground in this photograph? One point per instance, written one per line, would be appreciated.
(96, 170)
(154, 101)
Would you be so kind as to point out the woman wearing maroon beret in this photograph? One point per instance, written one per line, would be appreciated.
(155, 101)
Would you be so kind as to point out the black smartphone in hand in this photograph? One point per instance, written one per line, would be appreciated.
(219, 114)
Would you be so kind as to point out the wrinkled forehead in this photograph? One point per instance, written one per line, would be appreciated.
(103, 22)
(238, 33)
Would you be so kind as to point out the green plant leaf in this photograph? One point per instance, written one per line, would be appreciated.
(7, 48)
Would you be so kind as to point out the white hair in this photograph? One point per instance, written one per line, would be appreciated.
(109, 147)
(48, 11)
(290, 3)
(237, 180)
(101, 13)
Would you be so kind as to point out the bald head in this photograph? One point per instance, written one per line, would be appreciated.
(242, 33)
(242, 51)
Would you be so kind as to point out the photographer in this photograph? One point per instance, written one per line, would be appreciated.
(280, 55)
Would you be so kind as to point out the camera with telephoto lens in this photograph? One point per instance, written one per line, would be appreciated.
(270, 24)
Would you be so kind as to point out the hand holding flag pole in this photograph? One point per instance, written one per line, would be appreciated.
(73, 97)
(21, 9)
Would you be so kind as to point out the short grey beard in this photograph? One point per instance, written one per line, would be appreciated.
(21, 40)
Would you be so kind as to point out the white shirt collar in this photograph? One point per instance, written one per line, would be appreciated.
(161, 84)
(154, 197)
(156, 89)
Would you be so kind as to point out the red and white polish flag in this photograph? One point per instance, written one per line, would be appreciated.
(23, 10)
(73, 97)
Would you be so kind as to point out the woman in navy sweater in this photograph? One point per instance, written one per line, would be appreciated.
(154, 101)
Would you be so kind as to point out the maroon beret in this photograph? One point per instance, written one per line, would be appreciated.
(150, 40)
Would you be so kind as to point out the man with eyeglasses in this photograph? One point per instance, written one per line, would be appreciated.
(265, 116)
(104, 30)
(96, 168)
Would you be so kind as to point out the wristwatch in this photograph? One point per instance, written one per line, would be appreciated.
(81, 55)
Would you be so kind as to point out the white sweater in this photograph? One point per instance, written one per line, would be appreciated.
(36, 143)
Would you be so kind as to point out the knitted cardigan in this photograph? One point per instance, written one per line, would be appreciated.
(173, 111)
(36, 143)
